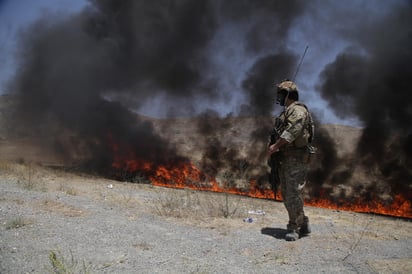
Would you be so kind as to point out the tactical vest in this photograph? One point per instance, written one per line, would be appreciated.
(309, 127)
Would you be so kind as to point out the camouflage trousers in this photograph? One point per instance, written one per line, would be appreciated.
(292, 174)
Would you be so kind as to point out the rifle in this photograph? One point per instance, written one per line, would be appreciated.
(274, 160)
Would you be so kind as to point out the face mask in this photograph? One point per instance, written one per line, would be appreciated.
(281, 97)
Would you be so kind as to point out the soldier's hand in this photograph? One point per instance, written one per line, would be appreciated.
(273, 148)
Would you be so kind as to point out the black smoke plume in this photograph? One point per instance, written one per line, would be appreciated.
(87, 75)
(259, 83)
(370, 80)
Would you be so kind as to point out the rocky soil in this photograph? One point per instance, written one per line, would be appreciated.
(53, 221)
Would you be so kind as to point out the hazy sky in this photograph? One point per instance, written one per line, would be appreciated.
(18, 14)
(324, 26)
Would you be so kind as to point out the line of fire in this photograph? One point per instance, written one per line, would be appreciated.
(182, 174)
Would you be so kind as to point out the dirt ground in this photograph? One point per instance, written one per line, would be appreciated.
(53, 221)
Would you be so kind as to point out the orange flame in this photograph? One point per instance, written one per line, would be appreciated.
(399, 207)
(187, 175)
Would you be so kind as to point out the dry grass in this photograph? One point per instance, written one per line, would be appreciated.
(179, 203)
(124, 196)
(69, 190)
(17, 222)
(29, 176)
(201, 206)
(61, 264)
(5, 167)
(59, 207)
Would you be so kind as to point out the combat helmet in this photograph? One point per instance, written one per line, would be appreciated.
(287, 85)
(286, 89)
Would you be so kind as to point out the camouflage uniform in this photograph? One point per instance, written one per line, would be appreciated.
(293, 162)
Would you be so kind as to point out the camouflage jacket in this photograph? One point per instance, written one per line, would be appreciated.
(294, 124)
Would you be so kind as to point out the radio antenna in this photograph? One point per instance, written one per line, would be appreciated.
(300, 63)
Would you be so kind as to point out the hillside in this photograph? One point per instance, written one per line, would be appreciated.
(230, 151)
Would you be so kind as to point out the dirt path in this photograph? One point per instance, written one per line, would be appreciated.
(91, 225)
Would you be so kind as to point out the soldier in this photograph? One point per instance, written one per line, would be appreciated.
(295, 131)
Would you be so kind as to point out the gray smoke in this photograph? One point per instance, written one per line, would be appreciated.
(86, 74)
(370, 80)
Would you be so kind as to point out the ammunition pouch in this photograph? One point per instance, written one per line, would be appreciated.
(311, 151)
(305, 153)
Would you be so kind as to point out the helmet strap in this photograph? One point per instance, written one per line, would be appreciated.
(286, 98)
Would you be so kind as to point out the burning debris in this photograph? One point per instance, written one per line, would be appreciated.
(83, 79)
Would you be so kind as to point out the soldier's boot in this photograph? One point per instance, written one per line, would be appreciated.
(291, 235)
(305, 228)
(291, 232)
